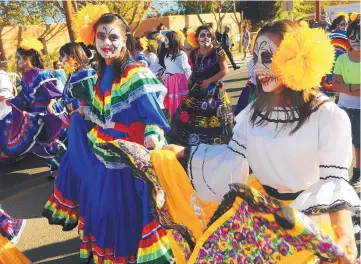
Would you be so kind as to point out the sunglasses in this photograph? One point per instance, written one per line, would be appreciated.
(203, 35)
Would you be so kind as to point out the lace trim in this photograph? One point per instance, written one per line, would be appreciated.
(190, 166)
(204, 178)
(333, 166)
(72, 84)
(178, 94)
(235, 151)
(111, 165)
(327, 208)
(334, 177)
(32, 95)
(145, 89)
(242, 146)
(272, 120)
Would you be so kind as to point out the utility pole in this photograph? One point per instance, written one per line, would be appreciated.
(317, 10)
(68, 8)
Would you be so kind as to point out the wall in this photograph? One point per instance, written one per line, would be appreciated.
(55, 35)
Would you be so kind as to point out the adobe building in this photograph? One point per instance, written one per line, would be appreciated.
(53, 36)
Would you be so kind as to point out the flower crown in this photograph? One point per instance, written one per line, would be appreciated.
(354, 16)
(85, 20)
(303, 58)
(31, 43)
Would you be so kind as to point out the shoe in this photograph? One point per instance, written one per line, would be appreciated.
(236, 67)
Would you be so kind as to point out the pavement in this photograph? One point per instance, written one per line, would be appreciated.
(24, 190)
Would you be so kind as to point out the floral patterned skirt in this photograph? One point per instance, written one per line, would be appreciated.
(247, 227)
(202, 117)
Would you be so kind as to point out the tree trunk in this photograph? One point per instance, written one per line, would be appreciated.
(68, 8)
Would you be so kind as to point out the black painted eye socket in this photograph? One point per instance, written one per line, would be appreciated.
(113, 37)
(266, 57)
(255, 58)
(101, 36)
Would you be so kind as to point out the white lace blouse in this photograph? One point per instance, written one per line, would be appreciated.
(313, 161)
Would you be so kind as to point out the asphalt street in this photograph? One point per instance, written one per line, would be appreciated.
(24, 190)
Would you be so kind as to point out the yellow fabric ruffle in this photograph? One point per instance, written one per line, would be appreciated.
(10, 254)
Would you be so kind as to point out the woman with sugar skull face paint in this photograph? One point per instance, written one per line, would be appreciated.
(27, 126)
(298, 144)
(178, 71)
(94, 188)
(204, 116)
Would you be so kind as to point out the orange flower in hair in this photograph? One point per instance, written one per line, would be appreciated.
(85, 20)
(192, 38)
(70, 65)
(182, 38)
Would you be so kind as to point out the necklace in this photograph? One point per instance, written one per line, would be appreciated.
(204, 56)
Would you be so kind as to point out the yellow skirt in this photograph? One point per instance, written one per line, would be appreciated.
(184, 208)
(9, 254)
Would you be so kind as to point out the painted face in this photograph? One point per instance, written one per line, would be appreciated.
(166, 42)
(109, 40)
(342, 25)
(262, 58)
(20, 62)
(323, 18)
(354, 40)
(64, 58)
(205, 38)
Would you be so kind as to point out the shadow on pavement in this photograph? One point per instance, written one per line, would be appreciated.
(233, 90)
(69, 249)
(236, 80)
(29, 162)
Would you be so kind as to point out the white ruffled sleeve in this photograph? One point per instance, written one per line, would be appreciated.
(332, 192)
(212, 168)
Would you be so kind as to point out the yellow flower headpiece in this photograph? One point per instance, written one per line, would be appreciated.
(85, 20)
(70, 65)
(31, 43)
(303, 58)
(143, 43)
(182, 38)
(343, 14)
(303, 23)
(354, 15)
(192, 38)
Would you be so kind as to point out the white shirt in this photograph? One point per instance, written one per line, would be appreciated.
(179, 65)
(6, 90)
(154, 66)
(315, 159)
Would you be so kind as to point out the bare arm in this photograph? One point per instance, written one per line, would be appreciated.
(339, 85)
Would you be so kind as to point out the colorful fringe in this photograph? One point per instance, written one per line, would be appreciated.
(60, 211)
(135, 81)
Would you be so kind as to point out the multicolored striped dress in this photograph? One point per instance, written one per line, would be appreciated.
(95, 189)
(28, 127)
(78, 91)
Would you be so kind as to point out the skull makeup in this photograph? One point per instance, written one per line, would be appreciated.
(342, 25)
(205, 38)
(354, 40)
(262, 58)
(109, 40)
(20, 63)
(64, 58)
(166, 42)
